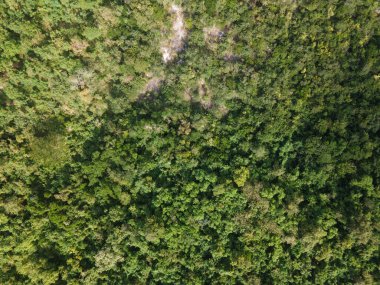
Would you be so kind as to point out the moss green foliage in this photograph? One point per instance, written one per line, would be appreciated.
(252, 157)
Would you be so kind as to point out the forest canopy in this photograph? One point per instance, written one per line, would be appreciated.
(189, 142)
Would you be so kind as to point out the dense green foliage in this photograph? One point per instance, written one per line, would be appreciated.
(252, 157)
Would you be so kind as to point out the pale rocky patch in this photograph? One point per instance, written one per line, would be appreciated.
(153, 85)
(175, 43)
(212, 34)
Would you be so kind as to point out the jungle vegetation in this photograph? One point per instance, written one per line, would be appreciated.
(189, 142)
